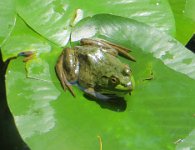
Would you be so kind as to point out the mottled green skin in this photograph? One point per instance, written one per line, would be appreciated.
(96, 69)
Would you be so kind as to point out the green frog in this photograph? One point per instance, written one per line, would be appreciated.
(95, 69)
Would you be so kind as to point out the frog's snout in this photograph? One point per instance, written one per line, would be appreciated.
(129, 86)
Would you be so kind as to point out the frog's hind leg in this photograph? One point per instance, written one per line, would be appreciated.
(109, 47)
(120, 49)
(62, 75)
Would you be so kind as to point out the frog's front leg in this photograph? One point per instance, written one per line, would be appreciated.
(92, 93)
(66, 67)
(110, 47)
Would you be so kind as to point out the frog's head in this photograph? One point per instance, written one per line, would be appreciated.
(116, 81)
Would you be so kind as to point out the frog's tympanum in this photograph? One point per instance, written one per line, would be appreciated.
(95, 68)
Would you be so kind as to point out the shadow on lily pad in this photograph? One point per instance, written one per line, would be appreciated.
(115, 104)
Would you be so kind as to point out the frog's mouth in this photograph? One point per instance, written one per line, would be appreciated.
(109, 92)
(125, 88)
(119, 91)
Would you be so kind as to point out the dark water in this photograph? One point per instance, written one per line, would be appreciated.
(191, 44)
(10, 138)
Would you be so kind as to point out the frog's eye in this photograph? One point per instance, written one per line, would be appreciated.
(114, 80)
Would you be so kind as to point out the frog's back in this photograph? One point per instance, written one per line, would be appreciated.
(99, 61)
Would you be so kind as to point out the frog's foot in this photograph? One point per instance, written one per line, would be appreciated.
(62, 76)
(91, 92)
(109, 46)
(121, 50)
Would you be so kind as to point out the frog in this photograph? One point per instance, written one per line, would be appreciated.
(95, 68)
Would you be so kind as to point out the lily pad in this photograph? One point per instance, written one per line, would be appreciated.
(183, 11)
(24, 39)
(158, 113)
(54, 19)
(7, 19)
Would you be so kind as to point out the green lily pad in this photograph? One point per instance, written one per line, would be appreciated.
(157, 114)
(183, 11)
(190, 9)
(7, 19)
(24, 39)
(54, 19)
(188, 142)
